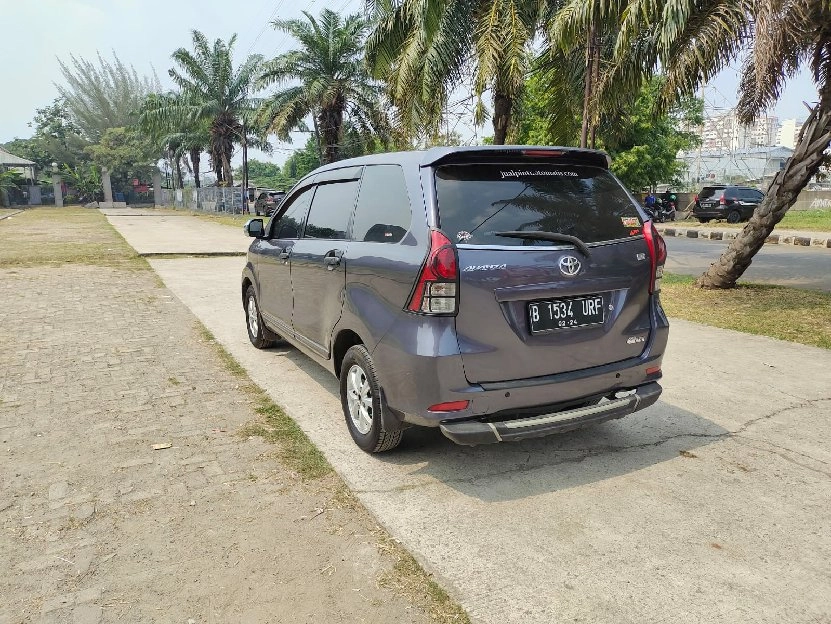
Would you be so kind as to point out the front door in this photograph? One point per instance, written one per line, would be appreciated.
(274, 263)
(318, 260)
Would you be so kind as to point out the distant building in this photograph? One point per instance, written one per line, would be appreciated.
(724, 132)
(755, 165)
(789, 133)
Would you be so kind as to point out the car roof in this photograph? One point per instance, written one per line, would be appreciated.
(437, 155)
(727, 186)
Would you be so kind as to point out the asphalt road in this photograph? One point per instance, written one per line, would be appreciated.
(802, 267)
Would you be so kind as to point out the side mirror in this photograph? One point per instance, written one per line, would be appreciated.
(254, 228)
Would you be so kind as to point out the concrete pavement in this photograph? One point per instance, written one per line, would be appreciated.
(170, 233)
(714, 505)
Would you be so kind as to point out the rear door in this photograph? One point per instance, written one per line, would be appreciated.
(710, 197)
(318, 260)
(529, 308)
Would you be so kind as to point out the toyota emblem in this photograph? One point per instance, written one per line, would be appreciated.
(569, 266)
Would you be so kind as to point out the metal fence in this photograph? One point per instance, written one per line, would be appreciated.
(208, 199)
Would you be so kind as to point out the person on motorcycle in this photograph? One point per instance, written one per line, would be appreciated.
(670, 203)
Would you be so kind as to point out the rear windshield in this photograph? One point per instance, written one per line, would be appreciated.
(708, 192)
(478, 201)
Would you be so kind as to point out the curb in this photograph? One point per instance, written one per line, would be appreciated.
(774, 239)
(191, 254)
(14, 214)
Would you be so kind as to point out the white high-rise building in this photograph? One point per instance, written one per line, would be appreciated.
(724, 132)
(789, 132)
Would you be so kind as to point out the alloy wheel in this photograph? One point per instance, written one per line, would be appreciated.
(253, 317)
(359, 399)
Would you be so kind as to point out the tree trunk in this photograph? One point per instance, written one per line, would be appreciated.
(587, 89)
(216, 163)
(179, 178)
(330, 122)
(317, 139)
(502, 105)
(781, 195)
(195, 158)
(227, 174)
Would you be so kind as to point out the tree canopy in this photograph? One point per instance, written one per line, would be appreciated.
(334, 86)
(103, 95)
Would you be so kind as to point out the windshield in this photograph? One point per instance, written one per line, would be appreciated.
(476, 202)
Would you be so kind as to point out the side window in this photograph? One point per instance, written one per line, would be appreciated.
(290, 224)
(757, 196)
(332, 205)
(383, 213)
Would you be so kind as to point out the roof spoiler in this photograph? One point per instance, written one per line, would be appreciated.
(489, 153)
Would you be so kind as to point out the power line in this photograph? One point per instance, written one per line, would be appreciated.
(265, 25)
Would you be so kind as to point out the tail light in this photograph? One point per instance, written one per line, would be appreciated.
(722, 200)
(695, 199)
(657, 254)
(437, 288)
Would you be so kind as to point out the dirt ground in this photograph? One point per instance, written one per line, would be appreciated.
(127, 493)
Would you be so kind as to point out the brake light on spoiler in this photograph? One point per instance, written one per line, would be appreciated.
(543, 153)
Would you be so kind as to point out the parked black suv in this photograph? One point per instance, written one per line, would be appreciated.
(733, 203)
(497, 293)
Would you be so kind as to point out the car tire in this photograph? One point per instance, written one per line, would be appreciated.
(734, 216)
(703, 220)
(360, 397)
(254, 321)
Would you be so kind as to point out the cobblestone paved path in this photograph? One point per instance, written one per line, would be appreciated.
(126, 493)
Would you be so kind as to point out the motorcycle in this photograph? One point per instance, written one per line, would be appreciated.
(661, 211)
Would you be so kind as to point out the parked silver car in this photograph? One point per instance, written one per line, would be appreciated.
(498, 293)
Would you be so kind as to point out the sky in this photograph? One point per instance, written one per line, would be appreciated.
(36, 33)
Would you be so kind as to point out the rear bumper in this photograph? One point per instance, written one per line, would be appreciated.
(434, 374)
(710, 213)
(474, 432)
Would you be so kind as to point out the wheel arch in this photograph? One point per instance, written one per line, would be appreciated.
(345, 339)
(248, 280)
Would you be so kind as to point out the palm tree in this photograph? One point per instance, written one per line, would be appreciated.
(212, 94)
(691, 41)
(175, 136)
(424, 48)
(333, 81)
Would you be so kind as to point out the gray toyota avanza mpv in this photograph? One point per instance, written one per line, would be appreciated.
(498, 293)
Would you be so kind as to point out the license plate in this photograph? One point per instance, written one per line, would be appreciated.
(544, 316)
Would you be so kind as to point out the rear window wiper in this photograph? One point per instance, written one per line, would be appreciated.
(548, 236)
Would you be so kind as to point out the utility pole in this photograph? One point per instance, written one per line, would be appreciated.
(587, 93)
(595, 81)
(244, 170)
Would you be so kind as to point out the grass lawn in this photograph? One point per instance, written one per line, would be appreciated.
(810, 220)
(792, 314)
(237, 220)
(53, 236)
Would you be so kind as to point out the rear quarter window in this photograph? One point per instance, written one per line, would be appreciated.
(478, 201)
(383, 211)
